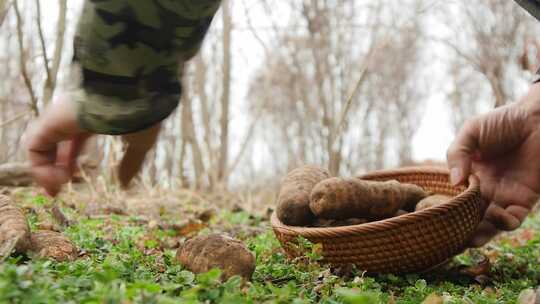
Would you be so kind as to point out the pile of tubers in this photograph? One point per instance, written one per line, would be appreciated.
(15, 236)
(310, 196)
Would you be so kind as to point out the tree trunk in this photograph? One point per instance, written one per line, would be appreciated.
(225, 98)
(200, 81)
(4, 6)
(50, 83)
(189, 136)
(498, 90)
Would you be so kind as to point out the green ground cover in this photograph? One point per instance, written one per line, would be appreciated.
(123, 260)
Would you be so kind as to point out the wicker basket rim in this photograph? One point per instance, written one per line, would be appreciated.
(471, 191)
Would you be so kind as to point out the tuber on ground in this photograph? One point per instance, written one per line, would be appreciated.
(293, 201)
(54, 245)
(14, 229)
(203, 253)
(432, 201)
(341, 198)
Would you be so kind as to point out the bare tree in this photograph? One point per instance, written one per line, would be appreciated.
(4, 6)
(308, 87)
(52, 70)
(23, 60)
(226, 94)
(487, 44)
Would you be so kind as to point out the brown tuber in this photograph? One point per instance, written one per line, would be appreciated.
(54, 245)
(339, 198)
(432, 201)
(400, 213)
(14, 229)
(293, 200)
(204, 253)
(338, 223)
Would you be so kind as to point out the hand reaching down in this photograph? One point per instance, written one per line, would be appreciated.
(502, 148)
(55, 141)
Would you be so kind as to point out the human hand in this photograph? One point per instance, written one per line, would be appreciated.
(55, 141)
(502, 148)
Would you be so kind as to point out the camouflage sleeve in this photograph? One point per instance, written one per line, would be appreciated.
(532, 6)
(131, 54)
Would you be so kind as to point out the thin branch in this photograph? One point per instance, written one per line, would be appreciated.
(42, 41)
(4, 8)
(252, 29)
(470, 59)
(15, 118)
(361, 79)
(60, 31)
(22, 58)
(247, 139)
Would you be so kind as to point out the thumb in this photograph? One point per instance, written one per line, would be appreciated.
(461, 151)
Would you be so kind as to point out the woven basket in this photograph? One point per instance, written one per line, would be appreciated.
(409, 243)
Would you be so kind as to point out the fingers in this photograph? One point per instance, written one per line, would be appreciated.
(58, 123)
(461, 151)
(497, 219)
(485, 137)
(520, 213)
(501, 219)
(137, 146)
(483, 234)
(69, 151)
(512, 202)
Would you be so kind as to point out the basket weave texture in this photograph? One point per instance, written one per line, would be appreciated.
(409, 243)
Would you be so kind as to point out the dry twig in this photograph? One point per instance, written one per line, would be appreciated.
(22, 57)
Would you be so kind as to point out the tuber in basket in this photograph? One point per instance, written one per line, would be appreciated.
(409, 243)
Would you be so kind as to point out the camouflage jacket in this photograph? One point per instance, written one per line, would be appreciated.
(532, 6)
(131, 54)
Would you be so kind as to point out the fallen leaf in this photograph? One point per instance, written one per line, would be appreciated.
(433, 299)
(206, 215)
(481, 268)
(527, 234)
(189, 228)
(110, 209)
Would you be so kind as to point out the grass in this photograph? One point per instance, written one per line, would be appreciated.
(124, 261)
